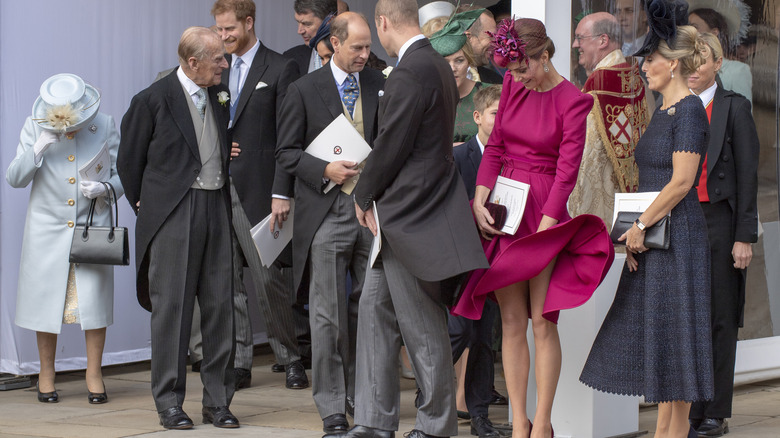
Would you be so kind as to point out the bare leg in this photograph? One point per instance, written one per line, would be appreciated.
(664, 420)
(460, 374)
(47, 348)
(96, 339)
(548, 354)
(679, 425)
(512, 301)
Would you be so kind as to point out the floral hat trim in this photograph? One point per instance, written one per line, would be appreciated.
(507, 46)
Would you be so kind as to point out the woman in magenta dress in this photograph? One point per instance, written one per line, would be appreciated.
(553, 262)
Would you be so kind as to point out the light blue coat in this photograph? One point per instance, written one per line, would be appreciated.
(48, 230)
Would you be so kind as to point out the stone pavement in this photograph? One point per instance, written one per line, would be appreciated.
(268, 409)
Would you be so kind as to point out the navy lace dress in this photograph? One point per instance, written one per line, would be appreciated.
(655, 340)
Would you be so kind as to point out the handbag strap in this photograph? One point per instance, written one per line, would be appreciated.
(112, 200)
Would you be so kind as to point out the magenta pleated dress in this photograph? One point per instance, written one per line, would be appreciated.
(538, 139)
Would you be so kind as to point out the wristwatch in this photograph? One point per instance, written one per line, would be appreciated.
(639, 224)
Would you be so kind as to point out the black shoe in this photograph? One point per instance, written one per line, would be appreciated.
(463, 415)
(415, 433)
(482, 427)
(363, 432)
(196, 366)
(713, 427)
(277, 368)
(97, 398)
(498, 399)
(243, 378)
(219, 417)
(350, 406)
(296, 376)
(335, 423)
(47, 397)
(175, 418)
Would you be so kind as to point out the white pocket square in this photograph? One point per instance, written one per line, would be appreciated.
(261, 85)
(381, 93)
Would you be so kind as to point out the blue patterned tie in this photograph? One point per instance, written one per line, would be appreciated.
(350, 95)
(201, 105)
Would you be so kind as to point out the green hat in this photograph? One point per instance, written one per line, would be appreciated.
(452, 37)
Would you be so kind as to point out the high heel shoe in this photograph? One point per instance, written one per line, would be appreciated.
(47, 397)
(98, 398)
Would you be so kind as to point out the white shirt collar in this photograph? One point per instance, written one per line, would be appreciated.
(188, 84)
(481, 146)
(406, 45)
(340, 75)
(707, 95)
(247, 57)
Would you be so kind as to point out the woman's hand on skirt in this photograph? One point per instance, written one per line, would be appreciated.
(633, 265)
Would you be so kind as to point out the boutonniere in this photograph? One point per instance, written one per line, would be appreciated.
(671, 111)
(223, 97)
(260, 85)
(387, 71)
(381, 93)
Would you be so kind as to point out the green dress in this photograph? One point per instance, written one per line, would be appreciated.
(465, 128)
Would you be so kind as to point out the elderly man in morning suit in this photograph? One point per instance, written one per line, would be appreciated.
(428, 235)
(619, 117)
(173, 162)
(327, 237)
(258, 79)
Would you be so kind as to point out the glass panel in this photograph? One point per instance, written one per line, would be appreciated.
(750, 68)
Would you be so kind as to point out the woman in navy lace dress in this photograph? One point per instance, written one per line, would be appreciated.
(655, 340)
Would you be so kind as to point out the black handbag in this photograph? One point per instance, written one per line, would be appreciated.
(101, 245)
(656, 236)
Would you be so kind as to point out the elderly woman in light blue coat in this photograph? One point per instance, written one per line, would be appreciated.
(51, 290)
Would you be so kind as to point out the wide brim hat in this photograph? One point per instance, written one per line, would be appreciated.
(452, 36)
(735, 12)
(66, 104)
(663, 18)
(434, 10)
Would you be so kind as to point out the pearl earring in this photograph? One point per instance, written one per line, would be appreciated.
(671, 72)
(546, 69)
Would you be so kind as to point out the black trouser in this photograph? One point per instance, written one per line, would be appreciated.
(477, 336)
(727, 303)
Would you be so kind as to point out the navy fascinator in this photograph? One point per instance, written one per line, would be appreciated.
(663, 17)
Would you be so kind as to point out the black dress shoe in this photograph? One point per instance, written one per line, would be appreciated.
(350, 406)
(219, 417)
(482, 427)
(277, 368)
(463, 415)
(498, 400)
(415, 433)
(47, 397)
(362, 432)
(97, 398)
(296, 376)
(196, 366)
(175, 418)
(335, 423)
(713, 427)
(243, 378)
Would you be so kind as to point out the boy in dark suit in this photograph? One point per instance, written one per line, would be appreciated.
(476, 336)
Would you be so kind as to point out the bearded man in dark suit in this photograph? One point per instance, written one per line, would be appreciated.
(258, 79)
(428, 235)
(173, 163)
(327, 237)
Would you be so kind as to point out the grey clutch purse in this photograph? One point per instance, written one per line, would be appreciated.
(656, 236)
(101, 245)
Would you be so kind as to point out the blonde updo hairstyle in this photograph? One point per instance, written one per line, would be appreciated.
(688, 48)
(713, 46)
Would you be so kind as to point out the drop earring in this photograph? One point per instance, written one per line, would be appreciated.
(671, 72)
(546, 69)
